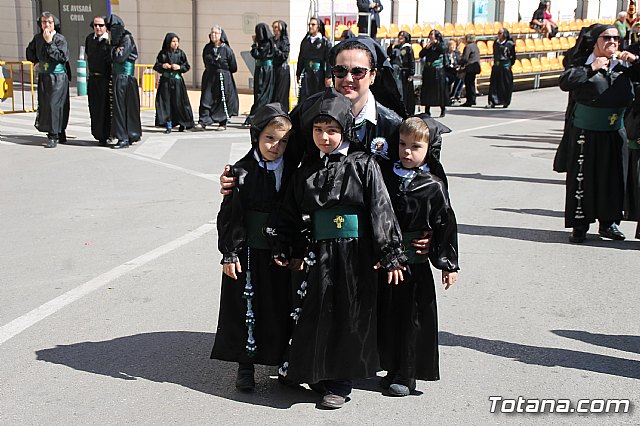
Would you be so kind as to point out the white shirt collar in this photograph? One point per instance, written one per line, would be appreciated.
(612, 64)
(104, 36)
(369, 112)
(269, 165)
(314, 38)
(343, 149)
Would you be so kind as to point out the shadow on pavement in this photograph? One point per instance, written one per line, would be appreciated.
(480, 176)
(534, 212)
(523, 147)
(179, 357)
(543, 236)
(622, 342)
(546, 357)
(479, 111)
(38, 140)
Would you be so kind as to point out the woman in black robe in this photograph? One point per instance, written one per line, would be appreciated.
(262, 50)
(49, 50)
(601, 85)
(434, 83)
(335, 336)
(254, 325)
(219, 96)
(501, 81)
(401, 57)
(312, 71)
(125, 122)
(408, 323)
(282, 75)
(172, 102)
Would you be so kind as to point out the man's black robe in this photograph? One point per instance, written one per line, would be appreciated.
(313, 66)
(98, 54)
(125, 123)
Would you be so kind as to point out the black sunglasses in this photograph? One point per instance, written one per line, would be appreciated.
(98, 25)
(610, 37)
(357, 73)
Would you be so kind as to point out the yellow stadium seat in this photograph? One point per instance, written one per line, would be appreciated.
(416, 50)
(579, 23)
(490, 47)
(474, 29)
(563, 26)
(354, 29)
(546, 65)
(517, 67)
(416, 31)
(548, 45)
(461, 46)
(555, 44)
(393, 30)
(426, 29)
(382, 32)
(506, 25)
(573, 26)
(526, 65)
(449, 30)
(406, 28)
(459, 30)
(494, 28)
(524, 28)
(572, 41)
(564, 43)
(482, 47)
(555, 64)
(536, 65)
(561, 59)
(487, 28)
(520, 46)
(529, 45)
(440, 28)
(485, 69)
(538, 45)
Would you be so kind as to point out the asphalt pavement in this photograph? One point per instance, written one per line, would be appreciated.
(110, 284)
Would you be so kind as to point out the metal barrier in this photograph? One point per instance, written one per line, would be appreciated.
(148, 84)
(15, 81)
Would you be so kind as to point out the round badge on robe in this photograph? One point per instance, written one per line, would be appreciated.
(379, 147)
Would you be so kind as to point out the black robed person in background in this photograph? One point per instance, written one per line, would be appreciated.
(263, 51)
(172, 102)
(98, 52)
(219, 96)
(434, 90)
(282, 76)
(404, 64)
(373, 8)
(313, 70)
(602, 87)
(501, 82)
(125, 124)
(49, 50)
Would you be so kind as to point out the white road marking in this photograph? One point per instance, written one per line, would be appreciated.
(503, 123)
(156, 146)
(29, 319)
(238, 150)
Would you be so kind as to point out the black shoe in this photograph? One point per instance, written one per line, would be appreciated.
(52, 142)
(612, 232)
(167, 131)
(638, 231)
(245, 381)
(402, 387)
(443, 112)
(62, 137)
(181, 128)
(387, 380)
(102, 142)
(121, 144)
(333, 401)
(466, 104)
(318, 388)
(505, 106)
(578, 235)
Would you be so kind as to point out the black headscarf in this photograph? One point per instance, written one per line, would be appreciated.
(263, 33)
(406, 35)
(223, 37)
(166, 44)
(263, 116)
(586, 43)
(284, 32)
(116, 28)
(384, 88)
(506, 34)
(321, 28)
(56, 21)
(438, 35)
(332, 104)
(436, 130)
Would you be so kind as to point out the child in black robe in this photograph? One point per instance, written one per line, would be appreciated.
(352, 227)
(172, 102)
(408, 323)
(254, 323)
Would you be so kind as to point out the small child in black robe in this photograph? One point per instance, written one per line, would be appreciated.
(352, 227)
(172, 102)
(408, 323)
(254, 325)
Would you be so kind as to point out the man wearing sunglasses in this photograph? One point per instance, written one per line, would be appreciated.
(49, 52)
(98, 52)
(313, 72)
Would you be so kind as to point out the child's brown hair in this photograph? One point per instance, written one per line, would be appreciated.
(416, 128)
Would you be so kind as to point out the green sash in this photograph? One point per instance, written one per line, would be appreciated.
(314, 65)
(265, 63)
(125, 68)
(338, 222)
(254, 223)
(436, 64)
(172, 74)
(410, 251)
(598, 119)
(506, 64)
(52, 68)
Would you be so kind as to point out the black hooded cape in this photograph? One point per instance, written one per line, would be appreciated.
(98, 54)
(282, 75)
(267, 286)
(263, 51)
(313, 64)
(501, 81)
(172, 100)
(434, 91)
